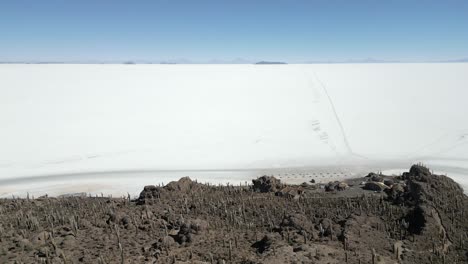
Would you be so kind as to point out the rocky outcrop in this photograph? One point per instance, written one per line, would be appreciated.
(422, 186)
(431, 201)
(149, 194)
(267, 184)
(183, 185)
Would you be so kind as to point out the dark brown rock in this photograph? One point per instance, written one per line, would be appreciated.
(267, 184)
(149, 194)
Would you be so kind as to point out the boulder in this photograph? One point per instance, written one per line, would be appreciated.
(396, 193)
(291, 192)
(267, 184)
(419, 170)
(388, 182)
(342, 186)
(376, 178)
(330, 187)
(375, 186)
(336, 186)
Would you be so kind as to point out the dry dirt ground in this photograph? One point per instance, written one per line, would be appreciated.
(414, 218)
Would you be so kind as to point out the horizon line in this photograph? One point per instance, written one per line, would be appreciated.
(129, 62)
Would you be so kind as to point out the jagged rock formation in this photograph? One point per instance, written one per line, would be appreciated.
(267, 184)
(151, 193)
(435, 208)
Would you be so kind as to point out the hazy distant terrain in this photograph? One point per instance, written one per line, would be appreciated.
(80, 120)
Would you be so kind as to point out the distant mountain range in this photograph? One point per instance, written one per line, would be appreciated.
(270, 62)
(458, 60)
(234, 61)
(367, 60)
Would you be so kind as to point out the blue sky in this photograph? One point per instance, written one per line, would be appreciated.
(198, 30)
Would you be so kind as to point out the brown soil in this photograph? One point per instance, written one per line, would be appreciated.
(419, 218)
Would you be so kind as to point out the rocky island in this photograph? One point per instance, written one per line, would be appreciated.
(417, 217)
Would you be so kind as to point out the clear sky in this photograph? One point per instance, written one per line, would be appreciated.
(199, 30)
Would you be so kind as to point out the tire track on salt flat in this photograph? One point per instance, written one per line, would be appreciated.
(340, 124)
